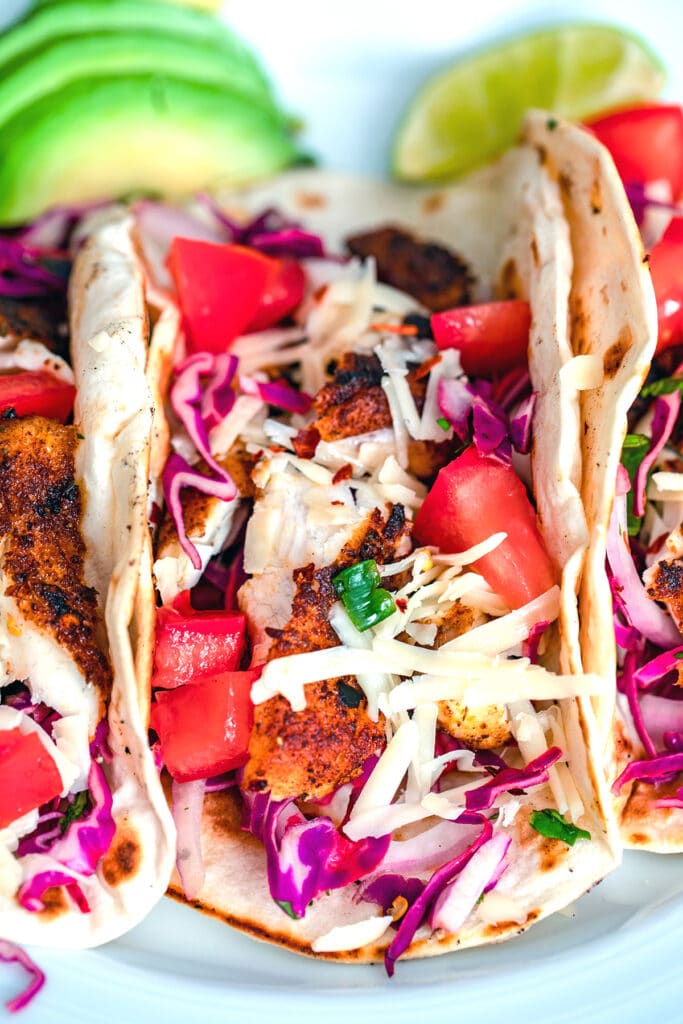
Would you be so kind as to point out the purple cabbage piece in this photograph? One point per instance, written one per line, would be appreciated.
(33, 890)
(12, 954)
(533, 774)
(665, 415)
(79, 850)
(455, 404)
(658, 769)
(178, 474)
(306, 858)
(419, 911)
(521, 425)
(385, 889)
(531, 644)
(270, 232)
(490, 430)
(628, 686)
(277, 393)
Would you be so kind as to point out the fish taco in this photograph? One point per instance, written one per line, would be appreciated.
(369, 534)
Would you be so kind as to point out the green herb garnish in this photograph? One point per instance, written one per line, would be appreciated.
(665, 386)
(636, 447)
(551, 824)
(365, 601)
(443, 423)
(74, 811)
(287, 907)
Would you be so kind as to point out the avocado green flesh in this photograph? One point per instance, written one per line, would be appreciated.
(80, 18)
(100, 57)
(105, 140)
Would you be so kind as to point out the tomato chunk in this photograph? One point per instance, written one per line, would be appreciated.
(204, 728)
(28, 775)
(646, 143)
(35, 392)
(666, 267)
(283, 292)
(473, 497)
(225, 290)
(197, 644)
(492, 338)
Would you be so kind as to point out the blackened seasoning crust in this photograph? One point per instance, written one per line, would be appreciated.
(437, 278)
(40, 319)
(43, 550)
(310, 753)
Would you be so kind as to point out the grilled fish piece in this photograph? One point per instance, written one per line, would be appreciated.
(311, 753)
(437, 278)
(664, 579)
(45, 606)
(38, 319)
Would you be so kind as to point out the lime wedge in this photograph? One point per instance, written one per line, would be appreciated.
(470, 112)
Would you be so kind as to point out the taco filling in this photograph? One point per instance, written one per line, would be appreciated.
(365, 650)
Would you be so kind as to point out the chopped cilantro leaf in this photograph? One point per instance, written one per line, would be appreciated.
(287, 907)
(665, 386)
(443, 423)
(632, 454)
(74, 811)
(551, 824)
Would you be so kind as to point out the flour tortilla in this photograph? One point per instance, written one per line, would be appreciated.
(614, 316)
(507, 222)
(113, 413)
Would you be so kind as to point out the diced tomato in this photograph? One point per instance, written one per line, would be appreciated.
(283, 293)
(492, 338)
(195, 645)
(28, 775)
(473, 497)
(646, 144)
(36, 392)
(204, 728)
(666, 267)
(225, 290)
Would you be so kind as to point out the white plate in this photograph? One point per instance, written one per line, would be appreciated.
(349, 68)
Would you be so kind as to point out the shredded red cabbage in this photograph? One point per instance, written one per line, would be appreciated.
(521, 423)
(12, 954)
(219, 396)
(665, 415)
(480, 875)
(21, 273)
(645, 615)
(277, 393)
(654, 670)
(269, 232)
(531, 644)
(533, 774)
(640, 202)
(419, 911)
(178, 474)
(306, 858)
(658, 769)
(187, 397)
(512, 390)
(33, 890)
(385, 889)
(628, 686)
(455, 403)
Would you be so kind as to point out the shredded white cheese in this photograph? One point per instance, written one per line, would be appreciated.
(352, 936)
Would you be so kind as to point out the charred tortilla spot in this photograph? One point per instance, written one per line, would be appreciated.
(534, 251)
(639, 839)
(434, 202)
(311, 200)
(614, 355)
(596, 196)
(552, 853)
(511, 285)
(123, 858)
(501, 927)
(55, 903)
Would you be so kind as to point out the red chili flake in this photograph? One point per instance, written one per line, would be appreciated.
(306, 442)
(336, 502)
(276, 448)
(426, 368)
(319, 293)
(410, 330)
(401, 604)
(656, 544)
(343, 473)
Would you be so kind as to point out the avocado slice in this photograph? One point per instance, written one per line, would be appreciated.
(109, 56)
(104, 139)
(78, 18)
